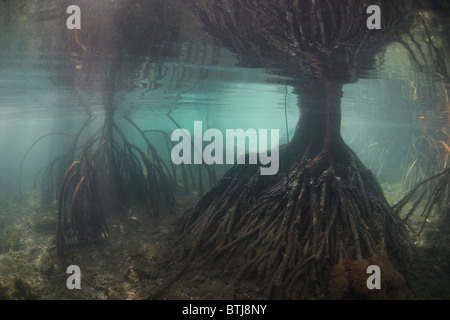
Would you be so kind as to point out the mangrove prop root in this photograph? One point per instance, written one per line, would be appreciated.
(289, 236)
(434, 196)
(106, 174)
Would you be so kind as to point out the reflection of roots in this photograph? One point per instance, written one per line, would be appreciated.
(290, 233)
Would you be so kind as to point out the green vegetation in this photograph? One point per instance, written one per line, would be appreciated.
(18, 290)
(22, 290)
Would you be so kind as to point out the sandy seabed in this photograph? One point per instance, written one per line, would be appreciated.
(128, 263)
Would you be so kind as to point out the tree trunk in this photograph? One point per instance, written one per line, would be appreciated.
(317, 138)
(307, 231)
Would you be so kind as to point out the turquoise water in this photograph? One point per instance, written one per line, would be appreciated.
(230, 98)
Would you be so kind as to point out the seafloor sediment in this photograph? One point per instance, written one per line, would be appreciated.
(127, 263)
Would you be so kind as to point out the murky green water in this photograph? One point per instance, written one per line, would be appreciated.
(49, 83)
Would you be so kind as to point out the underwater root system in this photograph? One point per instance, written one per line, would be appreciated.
(306, 233)
(428, 195)
(105, 175)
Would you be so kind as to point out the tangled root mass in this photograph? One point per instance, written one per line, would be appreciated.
(297, 234)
